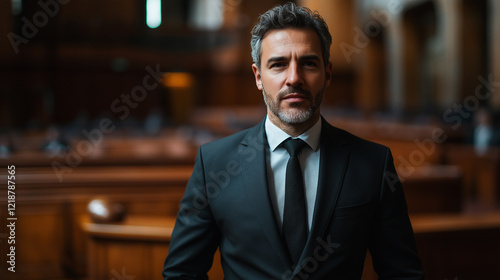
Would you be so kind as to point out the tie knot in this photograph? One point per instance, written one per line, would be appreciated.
(294, 146)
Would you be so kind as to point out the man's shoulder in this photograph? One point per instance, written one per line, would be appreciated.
(356, 143)
(234, 140)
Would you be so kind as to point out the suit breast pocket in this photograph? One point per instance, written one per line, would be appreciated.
(356, 210)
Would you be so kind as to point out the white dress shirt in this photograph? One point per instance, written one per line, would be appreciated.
(277, 159)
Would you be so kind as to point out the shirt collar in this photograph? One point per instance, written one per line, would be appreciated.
(275, 136)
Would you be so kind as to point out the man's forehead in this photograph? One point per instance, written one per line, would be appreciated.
(281, 40)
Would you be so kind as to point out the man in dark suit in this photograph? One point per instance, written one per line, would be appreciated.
(293, 197)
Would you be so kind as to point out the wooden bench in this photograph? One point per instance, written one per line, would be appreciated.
(110, 150)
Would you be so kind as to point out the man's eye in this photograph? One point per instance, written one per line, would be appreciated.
(310, 64)
(278, 65)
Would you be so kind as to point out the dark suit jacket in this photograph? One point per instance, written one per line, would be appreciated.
(360, 205)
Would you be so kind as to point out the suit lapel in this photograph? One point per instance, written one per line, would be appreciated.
(255, 176)
(333, 164)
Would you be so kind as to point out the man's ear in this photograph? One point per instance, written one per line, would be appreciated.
(258, 78)
(328, 74)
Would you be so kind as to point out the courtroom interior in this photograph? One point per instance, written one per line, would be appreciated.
(103, 105)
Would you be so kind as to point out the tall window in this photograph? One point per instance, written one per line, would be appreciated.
(153, 13)
(207, 14)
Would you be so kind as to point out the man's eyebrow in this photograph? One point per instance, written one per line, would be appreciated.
(283, 58)
(310, 57)
(275, 59)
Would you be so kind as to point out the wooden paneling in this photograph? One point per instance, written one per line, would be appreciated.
(459, 246)
(36, 256)
(434, 189)
(50, 243)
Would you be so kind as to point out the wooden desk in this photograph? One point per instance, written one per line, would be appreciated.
(136, 247)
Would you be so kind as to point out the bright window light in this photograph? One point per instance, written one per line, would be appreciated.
(153, 13)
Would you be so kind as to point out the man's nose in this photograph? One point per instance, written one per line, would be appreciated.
(294, 75)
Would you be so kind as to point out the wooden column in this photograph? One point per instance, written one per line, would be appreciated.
(450, 26)
(395, 64)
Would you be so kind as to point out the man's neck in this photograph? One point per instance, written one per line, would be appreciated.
(293, 130)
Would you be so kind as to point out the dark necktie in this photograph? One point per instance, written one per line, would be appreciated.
(295, 227)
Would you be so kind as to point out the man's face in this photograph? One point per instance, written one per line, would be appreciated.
(292, 76)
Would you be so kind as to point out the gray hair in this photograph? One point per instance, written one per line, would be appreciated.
(290, 16)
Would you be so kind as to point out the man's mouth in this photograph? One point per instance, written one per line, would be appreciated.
(295, 97)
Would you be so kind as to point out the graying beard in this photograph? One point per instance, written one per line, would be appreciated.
(290, 118)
